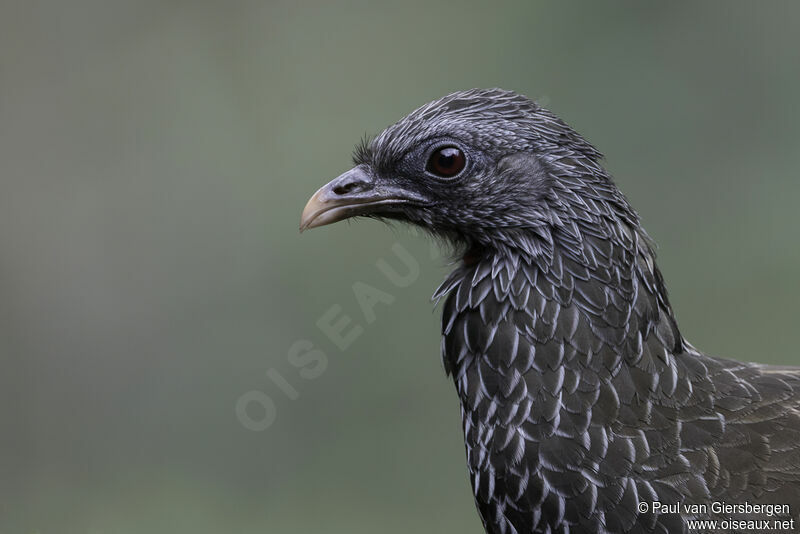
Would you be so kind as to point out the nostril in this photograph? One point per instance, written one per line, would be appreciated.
(345, 187)
(354, 181)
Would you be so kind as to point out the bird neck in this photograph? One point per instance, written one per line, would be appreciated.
(603, 288)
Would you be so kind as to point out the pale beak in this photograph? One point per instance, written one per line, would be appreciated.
(353, 193)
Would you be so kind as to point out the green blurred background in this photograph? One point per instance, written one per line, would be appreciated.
(154, 160)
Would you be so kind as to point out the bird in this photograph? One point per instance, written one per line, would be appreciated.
(583, 408)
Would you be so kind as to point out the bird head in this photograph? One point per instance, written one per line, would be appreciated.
(487, 169)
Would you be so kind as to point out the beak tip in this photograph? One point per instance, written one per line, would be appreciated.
(308, 215)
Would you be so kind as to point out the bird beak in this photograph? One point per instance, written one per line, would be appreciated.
(353, 193)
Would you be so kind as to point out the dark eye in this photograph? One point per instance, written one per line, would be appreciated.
(446, 162)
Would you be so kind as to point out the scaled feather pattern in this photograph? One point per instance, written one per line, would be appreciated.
(579, 397)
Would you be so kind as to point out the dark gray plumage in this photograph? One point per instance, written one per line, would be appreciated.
(579, 396)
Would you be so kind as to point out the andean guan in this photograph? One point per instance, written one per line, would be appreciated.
(580, 399)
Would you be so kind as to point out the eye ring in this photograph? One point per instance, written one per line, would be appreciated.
(446, 161)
